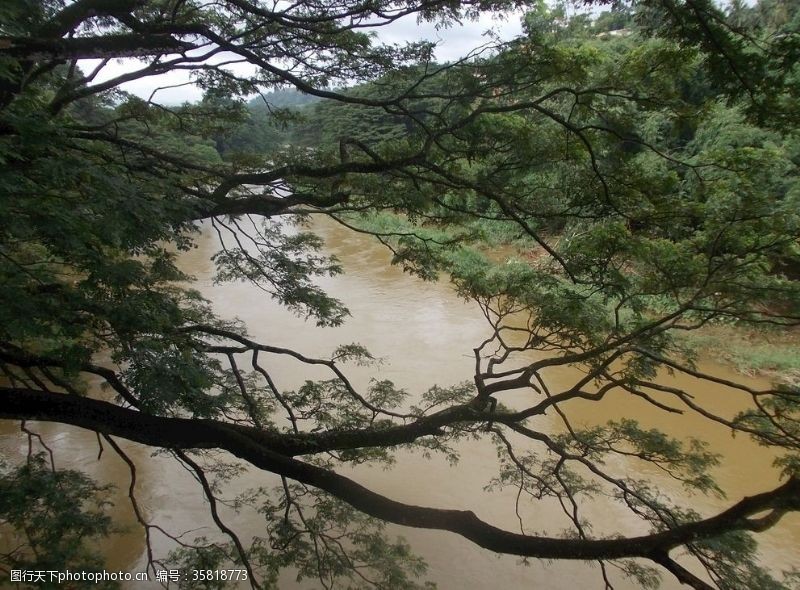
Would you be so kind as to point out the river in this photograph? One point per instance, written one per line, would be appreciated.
(425, 334)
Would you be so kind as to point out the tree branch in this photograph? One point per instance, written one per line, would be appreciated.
(107, 46)
(175, 433)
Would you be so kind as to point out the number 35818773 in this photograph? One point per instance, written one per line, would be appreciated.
(201, 575)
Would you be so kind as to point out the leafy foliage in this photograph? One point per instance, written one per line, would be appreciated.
(50, 518)
(642, 167)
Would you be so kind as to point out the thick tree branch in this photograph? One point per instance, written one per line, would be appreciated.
(107, 46)
(72, 15)
(194, 433)
(176, 433)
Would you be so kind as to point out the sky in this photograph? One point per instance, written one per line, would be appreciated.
(452, 43)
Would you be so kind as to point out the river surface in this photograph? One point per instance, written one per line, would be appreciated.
(425, 334)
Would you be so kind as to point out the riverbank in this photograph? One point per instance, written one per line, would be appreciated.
(773, 353)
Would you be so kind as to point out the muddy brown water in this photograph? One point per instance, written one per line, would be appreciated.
(425, 334)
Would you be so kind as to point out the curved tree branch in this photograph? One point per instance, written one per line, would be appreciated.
(176, 433)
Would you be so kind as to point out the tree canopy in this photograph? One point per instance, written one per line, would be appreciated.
(641, 164)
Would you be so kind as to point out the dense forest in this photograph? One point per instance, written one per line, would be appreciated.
(637, 162)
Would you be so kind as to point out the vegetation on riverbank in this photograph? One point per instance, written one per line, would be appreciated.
(772, 353)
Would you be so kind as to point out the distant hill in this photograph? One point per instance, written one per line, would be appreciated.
(283, 99)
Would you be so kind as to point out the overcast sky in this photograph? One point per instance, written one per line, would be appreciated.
(452, 43)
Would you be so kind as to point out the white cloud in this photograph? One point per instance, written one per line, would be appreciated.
(457, 40)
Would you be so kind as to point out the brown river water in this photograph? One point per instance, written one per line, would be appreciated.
(425, 334)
